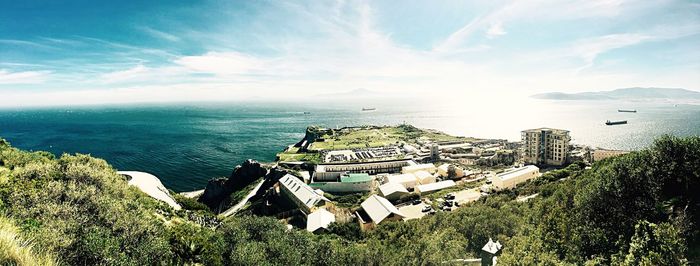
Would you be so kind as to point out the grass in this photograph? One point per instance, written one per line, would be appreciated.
(362, 138)
(348, 201)
(4, 174)
(16, 251)
(299, 157)
(237, 196)
(370, 137)
(378, 137)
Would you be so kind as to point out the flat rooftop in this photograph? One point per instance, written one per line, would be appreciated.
(508, 174)
(355, 178)
(546, 129)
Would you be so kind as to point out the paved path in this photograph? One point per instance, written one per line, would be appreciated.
(192, 194)
(523, 199)
(240, 204)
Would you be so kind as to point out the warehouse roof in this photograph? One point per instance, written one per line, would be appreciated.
(402, 178)
(379, 208)
(302, 191)
(435, 186)
(355, 178)
(516, 172)
(321, 218)
(390, 188)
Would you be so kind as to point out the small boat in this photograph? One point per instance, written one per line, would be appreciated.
(626, 111)
(612, 123)
(364, 109)
(307, 113)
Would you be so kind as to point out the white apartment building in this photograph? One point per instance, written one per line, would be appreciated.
(545, 146)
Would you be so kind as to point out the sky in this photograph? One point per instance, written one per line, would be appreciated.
(93, 52)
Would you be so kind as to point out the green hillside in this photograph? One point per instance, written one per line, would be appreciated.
(637, 209)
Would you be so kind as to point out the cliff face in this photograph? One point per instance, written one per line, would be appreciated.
(219, 189)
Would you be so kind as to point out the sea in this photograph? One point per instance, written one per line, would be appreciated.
(186, 144)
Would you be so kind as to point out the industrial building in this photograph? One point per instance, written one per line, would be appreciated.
(444, 171)
(343, 183)
(406, 180)
(424, 177)
(545, 146)
(428, 167)
(598, 155)
(375, 210)
(300, 194)
(390, 166)
(512, 177)
(432, 187)
(319, 220)
(393, 191)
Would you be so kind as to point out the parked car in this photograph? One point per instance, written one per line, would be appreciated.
(449, 203)
(450, 196)
(417, 201)
(447, 209)
(426, 208)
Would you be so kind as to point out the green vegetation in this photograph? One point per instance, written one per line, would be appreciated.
(189, 203)
(637, 209)
(351, 200)
(312, 157)
(240, 194)
(378, 137)
(365, 137)
(16, 251)
(361, 138)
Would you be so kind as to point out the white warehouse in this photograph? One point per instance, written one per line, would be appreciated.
(512, 177)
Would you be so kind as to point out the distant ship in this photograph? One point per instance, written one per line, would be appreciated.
(307, 113)
(612, 123)
(368, 109)
(626, 111)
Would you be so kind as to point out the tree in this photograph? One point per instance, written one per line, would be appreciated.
(654, 244)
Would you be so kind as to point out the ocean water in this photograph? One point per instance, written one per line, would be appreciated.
(187, 144)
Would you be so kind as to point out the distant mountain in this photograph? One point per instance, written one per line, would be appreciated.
(624, 94)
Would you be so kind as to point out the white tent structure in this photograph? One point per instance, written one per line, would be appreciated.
(492, 247)
(150, 185)
(380, 209)
(392, 191)
(428, 167)
(424, 177)
(321, 218)
(407, 180)
(432, 187)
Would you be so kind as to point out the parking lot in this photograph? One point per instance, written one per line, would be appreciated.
(466, 196)
(413, 211)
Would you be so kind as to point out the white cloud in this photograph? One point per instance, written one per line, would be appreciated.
(23, 77)
(492, 23)
(159, 34)
(351, 52)
(589, 49)
(495, 30)
(125, 75)
(222, 63)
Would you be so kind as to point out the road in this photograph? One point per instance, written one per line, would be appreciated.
(192, 194)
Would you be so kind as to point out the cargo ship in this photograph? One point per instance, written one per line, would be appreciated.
(612, 123)
(368, 109)
(626, 111)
